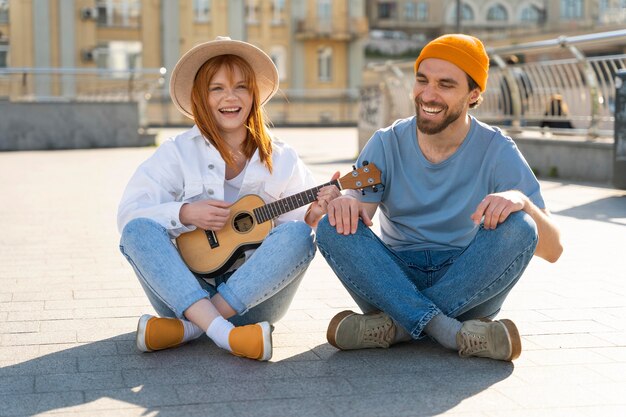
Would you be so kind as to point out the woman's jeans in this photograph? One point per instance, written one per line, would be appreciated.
(414, 286)
(259, 290)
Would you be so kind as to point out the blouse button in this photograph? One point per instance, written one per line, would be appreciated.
(210, 191)
(211, 166)
(173, 222)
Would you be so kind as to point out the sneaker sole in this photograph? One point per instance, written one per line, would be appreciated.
(267, 341)
(141, 330)
(333, 326)
(514, 337)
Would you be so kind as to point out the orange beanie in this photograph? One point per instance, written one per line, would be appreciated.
(464, 51)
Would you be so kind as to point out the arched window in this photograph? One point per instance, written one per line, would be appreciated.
(467, 13)
(497, 13)
(324, 63)
(531, 14)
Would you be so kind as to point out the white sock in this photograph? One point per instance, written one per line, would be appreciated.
(219, 330)
(444, 329)
(191, 331)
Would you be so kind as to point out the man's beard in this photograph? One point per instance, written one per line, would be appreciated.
(432, 128)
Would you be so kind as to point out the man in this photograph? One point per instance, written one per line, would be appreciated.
(461, 217)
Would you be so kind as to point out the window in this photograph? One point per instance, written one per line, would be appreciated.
(124, 13)
(119, 56)
(4, 11)
(324, 63)
(4, 52)
(531, 14)
(467, 13)
(252, 11)
(497, 13)
(571, 9)
(409, 10)
(387, 10)
(278, 11)
(279, 56)
(324, 15)
(603, 6)
(201, 11)
(422, 11)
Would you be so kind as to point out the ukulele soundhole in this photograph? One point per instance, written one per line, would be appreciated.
(243, 223)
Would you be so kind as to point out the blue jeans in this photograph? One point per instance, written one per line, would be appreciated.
(259, 290)
(414, 286)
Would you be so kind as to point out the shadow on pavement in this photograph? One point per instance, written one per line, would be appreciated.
(605, 210)
(198, 379)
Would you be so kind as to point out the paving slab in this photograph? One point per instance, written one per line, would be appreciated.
(69, 303)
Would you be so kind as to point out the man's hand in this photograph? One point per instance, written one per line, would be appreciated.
(497, 207)
(205, 214)
(344, 213)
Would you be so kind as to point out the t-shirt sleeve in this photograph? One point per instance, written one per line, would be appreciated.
(513, 173)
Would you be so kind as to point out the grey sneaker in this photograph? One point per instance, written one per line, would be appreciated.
(489, 339)
(349, 330)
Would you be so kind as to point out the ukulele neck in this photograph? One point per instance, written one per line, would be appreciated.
(272, 210)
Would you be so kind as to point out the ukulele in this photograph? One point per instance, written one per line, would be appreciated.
(212, 253)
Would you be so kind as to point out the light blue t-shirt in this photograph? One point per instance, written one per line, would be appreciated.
(428, 206)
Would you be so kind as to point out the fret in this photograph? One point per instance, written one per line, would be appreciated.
(292, 202)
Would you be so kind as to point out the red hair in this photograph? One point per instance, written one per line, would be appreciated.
(258, 137)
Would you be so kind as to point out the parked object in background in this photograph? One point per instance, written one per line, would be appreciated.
(556, 107)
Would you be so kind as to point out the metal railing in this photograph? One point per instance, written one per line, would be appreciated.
(519, 95)
(79, 84)
(83, 85)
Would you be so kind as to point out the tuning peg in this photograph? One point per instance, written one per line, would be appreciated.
(366, 162)
(362, 192)
(375, 188)
(354, 167)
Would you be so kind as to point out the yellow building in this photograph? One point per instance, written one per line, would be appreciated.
(496, 22)
(317, 46)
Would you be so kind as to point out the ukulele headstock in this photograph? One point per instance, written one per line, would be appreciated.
(361, 178)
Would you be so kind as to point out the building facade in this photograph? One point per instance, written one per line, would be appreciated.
(317, 45)
(497, 22)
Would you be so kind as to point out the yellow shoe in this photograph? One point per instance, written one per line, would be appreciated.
(253, 341)
(157, 333)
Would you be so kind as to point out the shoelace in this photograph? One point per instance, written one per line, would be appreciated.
(379, 335)
(472, 343)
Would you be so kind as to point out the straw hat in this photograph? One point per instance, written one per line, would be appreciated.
(185, 70)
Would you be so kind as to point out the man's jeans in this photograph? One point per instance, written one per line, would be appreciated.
(259, 290)
(414, 286)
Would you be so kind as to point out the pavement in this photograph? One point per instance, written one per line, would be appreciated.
(69, 305)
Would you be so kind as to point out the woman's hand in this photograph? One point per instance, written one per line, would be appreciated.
(319, 207)
(205, 214)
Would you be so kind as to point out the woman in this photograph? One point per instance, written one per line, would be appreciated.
(191, 181)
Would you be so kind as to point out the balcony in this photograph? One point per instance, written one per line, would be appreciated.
(344, 29)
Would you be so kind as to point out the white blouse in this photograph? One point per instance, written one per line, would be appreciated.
(188, 168)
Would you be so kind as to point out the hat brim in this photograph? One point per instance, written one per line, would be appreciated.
(184, 73)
